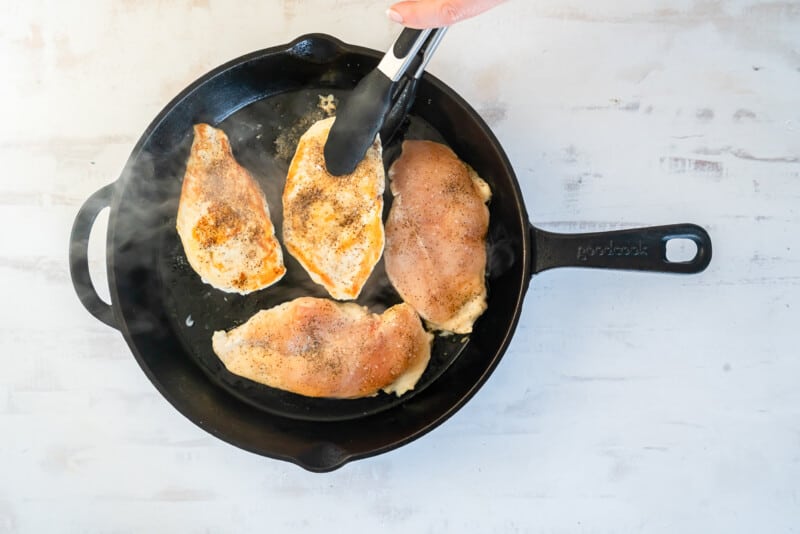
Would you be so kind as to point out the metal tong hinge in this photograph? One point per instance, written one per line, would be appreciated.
(411, 52)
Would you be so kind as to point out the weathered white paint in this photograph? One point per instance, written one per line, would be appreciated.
(626, 403)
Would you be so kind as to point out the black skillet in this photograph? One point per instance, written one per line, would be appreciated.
(264, 101)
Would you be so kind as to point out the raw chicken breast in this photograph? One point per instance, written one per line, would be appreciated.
(436, 236)
(223, 219)
(332, 224)
(322, 348)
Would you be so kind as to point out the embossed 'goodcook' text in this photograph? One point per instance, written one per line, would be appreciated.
(626, 249)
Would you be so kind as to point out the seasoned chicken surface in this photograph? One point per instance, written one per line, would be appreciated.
(322, 348)
(223, 219)
(436, 236)
(332, 224)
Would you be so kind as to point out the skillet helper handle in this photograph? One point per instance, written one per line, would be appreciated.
(639, 249)
(79, 255)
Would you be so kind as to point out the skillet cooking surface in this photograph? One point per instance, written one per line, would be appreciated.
(263, 136)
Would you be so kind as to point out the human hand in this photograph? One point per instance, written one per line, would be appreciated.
(437, 13)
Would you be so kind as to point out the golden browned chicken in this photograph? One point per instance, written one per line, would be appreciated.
(332, 224)
(322, 348)
(436, 236)
(223, 219)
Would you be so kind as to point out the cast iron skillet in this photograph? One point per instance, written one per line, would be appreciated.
(263, 101)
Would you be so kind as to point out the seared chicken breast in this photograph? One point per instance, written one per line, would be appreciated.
(223, 219)
(436, 236)
(322, 348)
(332, 224)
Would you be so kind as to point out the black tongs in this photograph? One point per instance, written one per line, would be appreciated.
(380, 101)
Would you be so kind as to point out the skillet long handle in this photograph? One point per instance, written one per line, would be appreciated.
(79, 255)
(639, 249)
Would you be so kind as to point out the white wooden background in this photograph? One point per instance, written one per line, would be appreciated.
(626, 403)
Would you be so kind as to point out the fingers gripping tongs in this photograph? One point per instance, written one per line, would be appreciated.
(380, 101)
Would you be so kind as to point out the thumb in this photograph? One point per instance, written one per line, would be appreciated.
(437, 13)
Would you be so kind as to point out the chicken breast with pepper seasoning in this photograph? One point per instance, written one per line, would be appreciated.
(332, 224)
(436, 235)
(223, 219)
(322, 348)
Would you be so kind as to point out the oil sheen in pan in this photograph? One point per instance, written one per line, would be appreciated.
(259, 134)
